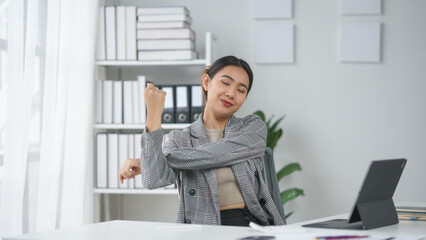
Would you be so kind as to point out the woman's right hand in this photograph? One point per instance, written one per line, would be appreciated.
(130, 168)
(154, 99)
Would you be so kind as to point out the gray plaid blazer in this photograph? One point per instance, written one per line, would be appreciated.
(188, 159)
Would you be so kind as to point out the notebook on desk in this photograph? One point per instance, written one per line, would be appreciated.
(374, 206)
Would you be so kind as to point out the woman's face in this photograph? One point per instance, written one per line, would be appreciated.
(226, 91)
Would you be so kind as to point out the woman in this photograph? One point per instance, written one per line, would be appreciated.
(217, 160)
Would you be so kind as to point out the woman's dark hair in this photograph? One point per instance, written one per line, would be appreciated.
(228, 61)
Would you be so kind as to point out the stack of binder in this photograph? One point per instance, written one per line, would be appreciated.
(116, 33)
(112, 149)
(121, 101)
(164, 33)
(183, 103)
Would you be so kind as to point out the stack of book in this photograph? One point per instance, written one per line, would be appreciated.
(164, 33)
(411, 213)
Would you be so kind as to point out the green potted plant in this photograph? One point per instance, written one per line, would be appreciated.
(274, 134)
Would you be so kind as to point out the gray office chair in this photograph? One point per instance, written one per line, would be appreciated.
(270, 176)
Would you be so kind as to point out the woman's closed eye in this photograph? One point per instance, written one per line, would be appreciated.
(224, 82)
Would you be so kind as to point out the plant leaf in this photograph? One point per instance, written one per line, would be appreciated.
(288, 215)
(270, 139)
(260, 114)
(291, 194)
(288, 169)
(275, 125)
(268, 122)
(275, 137)
(279, 133)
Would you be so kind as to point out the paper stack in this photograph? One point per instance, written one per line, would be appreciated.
(164, 33)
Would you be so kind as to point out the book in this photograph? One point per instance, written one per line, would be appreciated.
(412, 209)
(131, 33)
(172, 33)
(412, 216)
(121, 32)
(415, 213)
(173, 24)
(165, 18)
(163, 10)
(110, 33)
(166, 55)
(166, 44)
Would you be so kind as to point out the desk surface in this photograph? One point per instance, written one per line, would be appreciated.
(153, 230)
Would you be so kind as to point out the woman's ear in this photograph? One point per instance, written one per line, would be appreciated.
(205, 81)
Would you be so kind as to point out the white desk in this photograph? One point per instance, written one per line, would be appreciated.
(134, 230)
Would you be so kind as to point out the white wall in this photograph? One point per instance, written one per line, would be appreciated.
(338, 116)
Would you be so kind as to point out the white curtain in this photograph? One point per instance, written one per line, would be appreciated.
(51, 189)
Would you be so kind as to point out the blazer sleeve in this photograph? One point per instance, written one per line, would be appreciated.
(248, 142)
(154, 169)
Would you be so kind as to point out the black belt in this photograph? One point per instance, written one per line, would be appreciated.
(236, 217)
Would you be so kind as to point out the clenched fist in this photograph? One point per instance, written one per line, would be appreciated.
(154, 99)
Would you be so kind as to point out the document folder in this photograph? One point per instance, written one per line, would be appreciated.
(169, 105)
(182, 104)
(196, 102)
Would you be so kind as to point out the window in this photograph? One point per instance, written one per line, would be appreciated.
(33, 158)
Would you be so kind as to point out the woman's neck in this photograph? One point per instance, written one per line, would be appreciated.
(214, 122)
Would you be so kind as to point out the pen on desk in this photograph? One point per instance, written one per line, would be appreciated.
(341, 237)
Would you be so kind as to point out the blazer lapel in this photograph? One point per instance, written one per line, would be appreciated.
(199, 137)
(198, 132)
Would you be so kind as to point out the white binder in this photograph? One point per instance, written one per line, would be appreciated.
(118, 102)
(100, 46)
(107, 101)
(110, 33)
(131, 33)
(123, 155)
(127, 102)
(112, 160)
(121, 32)
(101, 160)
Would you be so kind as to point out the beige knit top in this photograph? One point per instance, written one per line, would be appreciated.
(229, 191)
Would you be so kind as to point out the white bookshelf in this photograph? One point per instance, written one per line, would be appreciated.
(103, 127)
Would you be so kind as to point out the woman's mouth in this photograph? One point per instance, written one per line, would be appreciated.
(226, 103)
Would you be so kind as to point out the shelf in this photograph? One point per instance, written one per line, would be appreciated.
(163, 191)
(195, 62)
(170, 126)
